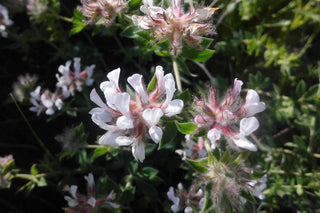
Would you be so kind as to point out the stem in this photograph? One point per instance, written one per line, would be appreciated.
(32, 130)
(94, 146)
(176, 74)
(206, 71)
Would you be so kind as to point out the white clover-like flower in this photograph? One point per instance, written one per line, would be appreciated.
(224, 118)
(105, 9)
(130, 121)
(36, 7)
(47, 101)
(74, 80)
(4, 21)
(183, 200)
(87, 204)
(193, 150)
(175, 24)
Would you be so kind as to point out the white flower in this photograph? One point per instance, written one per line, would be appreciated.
(247, 126)
(174, 199)
(4, 20)
(131, 120)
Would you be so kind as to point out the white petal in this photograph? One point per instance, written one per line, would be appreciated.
(109, 138)
(170, 89)
(244, 143)
(213, 135)
(136, 82)
(109, 91)
(152, 116)
(188, 210)
(94, 97)
(113, 76)
(92, 201)
(253, 104)
(175, 107)
(124, 141)
(73, 190)
(71, 202)
(138, 151)
(155, 133)
(171, 195)
(77, 66)
(248, 125)
(122, 101)
(124, 122)
(89, 179)
(101, 114)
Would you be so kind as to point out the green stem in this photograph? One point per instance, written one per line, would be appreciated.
(32, 130)
(176, 74)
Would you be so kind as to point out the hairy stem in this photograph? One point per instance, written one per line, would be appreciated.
(176, 74)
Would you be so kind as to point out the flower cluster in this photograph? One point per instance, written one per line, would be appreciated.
(230, 181)
(187, 201)
(22, 87)
(176, 25)
(79, 203)
(74, 80)
(4, 20)
(36, 7)
(107, 9)
(6, 164)
(48, 101)
(131, 120)
(225, 117)
(193, 151)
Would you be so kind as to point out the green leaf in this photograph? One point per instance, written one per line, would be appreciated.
(226, 157)
(216, 154)
(197, 55)
(72, 113)
(149, 172)
(200, 165)
(99, 152)
(130, 32)
(78, 24)
(34, 171)
(185, 96)
(301, 88)
(134, 4)
(186, 128)
(152, 84)
(41, 182)
(169, 134)
(133, 167)
(247, 195)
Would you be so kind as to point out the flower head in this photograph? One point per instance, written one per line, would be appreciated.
(74, 80)
(183, 200)
(4, 20)
(47, 101)
(79, 203)
(231, 117)
(176, 25)
(193, 150)
(6, 164)
(36, 7)
(23, 86)
(130, 121)
(105, 9)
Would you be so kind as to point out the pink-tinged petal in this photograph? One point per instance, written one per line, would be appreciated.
(152, 116)
(122, 101)
(113, 76)
(237, 87)
(136, 82)
(109, 138)
(99, 119)
(175, 107)
(138, 151)
(124, 122)
(58, 103)
(124, 141)
(155, 133)
(248, 125)
(213, 135)
(244, 143)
